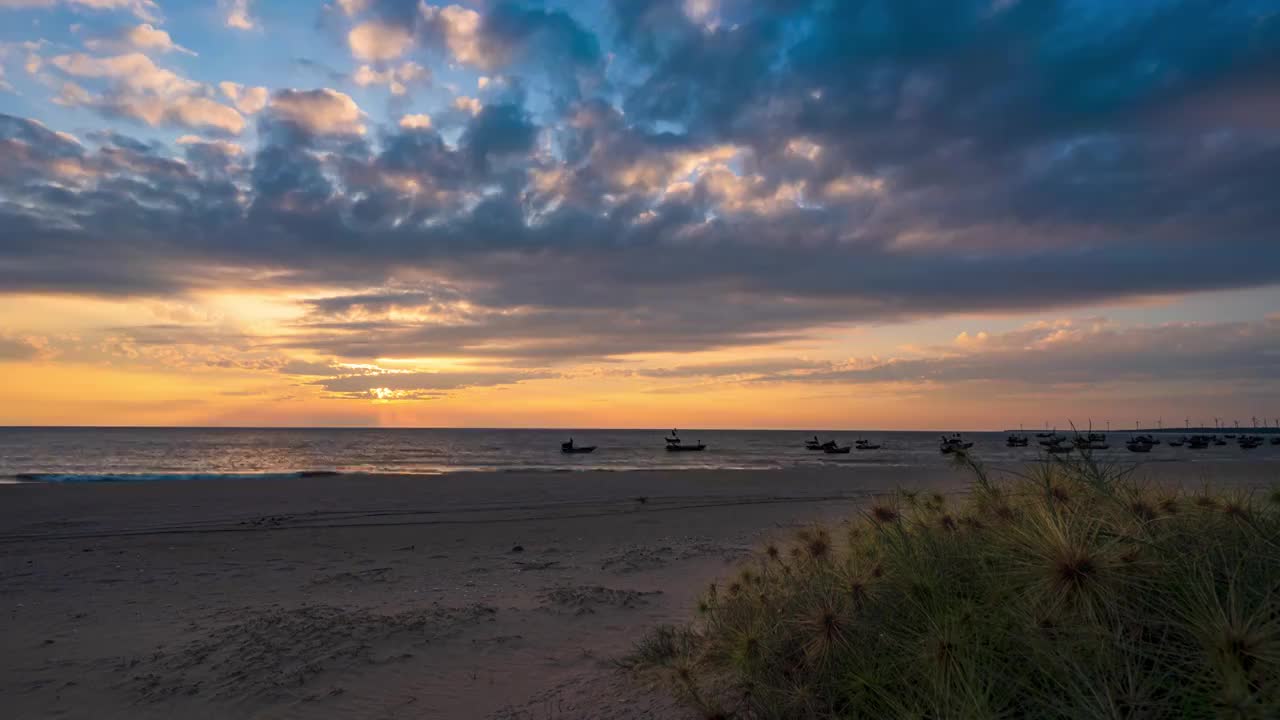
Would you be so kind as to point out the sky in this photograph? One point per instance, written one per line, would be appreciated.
(895, 214)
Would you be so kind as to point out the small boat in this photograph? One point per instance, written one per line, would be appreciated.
(834, 449)
(674, 444)
(1090, 442)
(1248, 442)
(866, 445)
(1198, 442)
(568, 448)
(1219, 441)
(952, 444)
(1017, 441)
(1178, 443)
(1275, 441)
(1147, 439)
(815, 445)
(1138, 447)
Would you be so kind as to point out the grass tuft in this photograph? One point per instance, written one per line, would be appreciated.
(1068, 592)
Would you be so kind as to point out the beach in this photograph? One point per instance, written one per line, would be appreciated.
(465, 595)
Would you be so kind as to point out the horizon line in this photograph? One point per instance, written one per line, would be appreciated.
(1193, 428)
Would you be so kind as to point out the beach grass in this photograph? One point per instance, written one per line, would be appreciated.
(1071, 591)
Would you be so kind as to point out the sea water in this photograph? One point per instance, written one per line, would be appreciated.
(124, 454)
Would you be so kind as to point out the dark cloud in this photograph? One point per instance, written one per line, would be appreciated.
(498, 131)
(17, 349)
(739, 179)
(1043, 355)
(559, 39)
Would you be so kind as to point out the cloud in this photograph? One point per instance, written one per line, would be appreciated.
(144, 9)
(460, 29)
(397, 79)
(134, 71)
(144, 38)
(237, 15)
(248, 100)
(1073, 353)
(418, 385)
(497, 131)
(185, 112)
(376, 41)
(351, 8)
(220, 146)
(1079, 358)
(507, 33)
(741, 178)
(469, 105)
(415, 122)
(320, 112)
(21, 348)
(143, 91)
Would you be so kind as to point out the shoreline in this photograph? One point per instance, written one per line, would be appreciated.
(498, 595)
(784, 464)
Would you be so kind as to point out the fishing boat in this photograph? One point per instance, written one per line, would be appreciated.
(1179, 442)
(1092, 441)
(1219, 441)
(866, 445)
(1198, 442)
(1249, 442)
(954, 443)
(812, 444)
(568, 448)
(834, 449)
(1017, 441)
(1138, 447)
(674, 444)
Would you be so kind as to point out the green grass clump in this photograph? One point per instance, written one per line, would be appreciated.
(1070, 592)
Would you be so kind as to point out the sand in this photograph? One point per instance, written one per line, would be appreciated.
(457, 596)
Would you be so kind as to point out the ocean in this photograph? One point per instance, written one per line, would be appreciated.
(126, 454)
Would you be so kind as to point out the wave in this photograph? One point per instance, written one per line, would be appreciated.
(164, 477)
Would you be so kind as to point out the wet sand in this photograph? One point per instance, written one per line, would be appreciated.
(457, 596)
